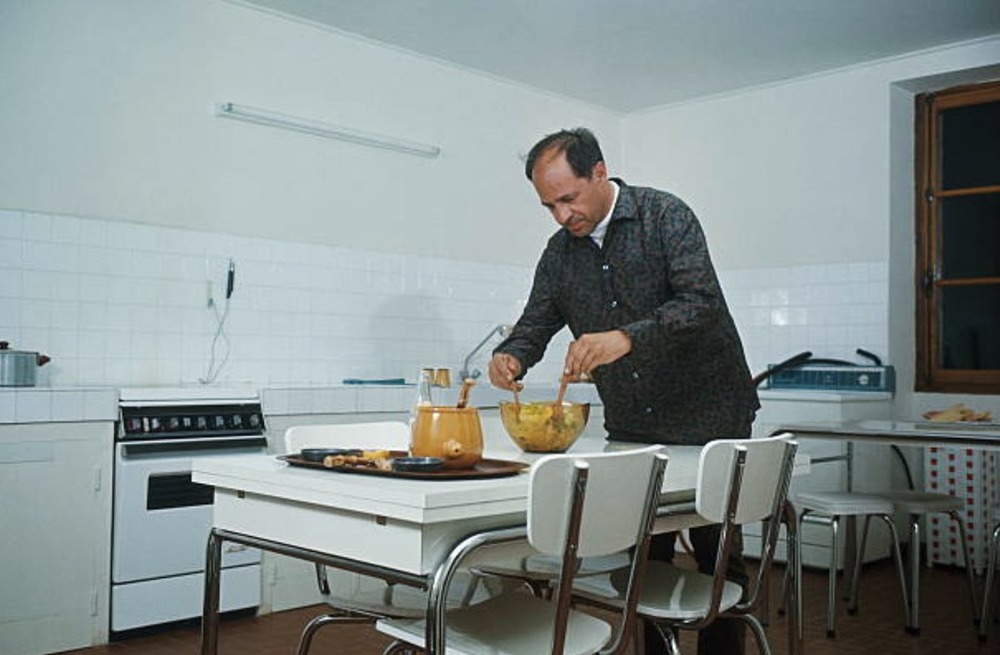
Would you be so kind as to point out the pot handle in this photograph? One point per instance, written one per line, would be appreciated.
(43, 360)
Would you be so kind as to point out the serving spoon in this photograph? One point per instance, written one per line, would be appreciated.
(463, 393)
(557, 408)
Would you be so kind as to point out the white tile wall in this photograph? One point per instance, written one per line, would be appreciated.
(122, 304)
(829, 309)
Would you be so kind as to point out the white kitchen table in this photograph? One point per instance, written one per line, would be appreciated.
(398, 529)
(903, 433)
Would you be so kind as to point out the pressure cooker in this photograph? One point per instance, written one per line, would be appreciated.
(18, 368)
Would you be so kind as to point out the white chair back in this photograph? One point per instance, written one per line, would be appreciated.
(390, 435)
(614, 507)
(589, 505)
(766, 464)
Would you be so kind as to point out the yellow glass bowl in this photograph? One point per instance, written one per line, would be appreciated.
(537, 427)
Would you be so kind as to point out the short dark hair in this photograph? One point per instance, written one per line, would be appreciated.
(579, 144)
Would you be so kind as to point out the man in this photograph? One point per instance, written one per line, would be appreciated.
(630, 274)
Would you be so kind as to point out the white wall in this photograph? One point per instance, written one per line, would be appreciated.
(106, 113)
(122, 196)
(812, 172)
(792, 173)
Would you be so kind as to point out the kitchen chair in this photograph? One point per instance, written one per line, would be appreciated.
(985, 618)
(828, 508)
(739, 481)
(578, 506)
(366, 598)
(915, 504)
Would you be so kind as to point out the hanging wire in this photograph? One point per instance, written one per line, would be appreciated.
(220, 333)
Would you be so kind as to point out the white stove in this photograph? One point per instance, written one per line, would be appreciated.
(161, 519)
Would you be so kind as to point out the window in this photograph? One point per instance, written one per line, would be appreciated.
(958, 240)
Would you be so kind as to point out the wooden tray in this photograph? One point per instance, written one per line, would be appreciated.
(486, 468)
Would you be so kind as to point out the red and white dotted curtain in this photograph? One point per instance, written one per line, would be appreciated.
(970, 474)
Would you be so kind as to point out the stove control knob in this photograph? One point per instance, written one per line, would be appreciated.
(174, 423)
(237, 421)
(154, 424)
(255, 420)
(220, 423)
(202, 423)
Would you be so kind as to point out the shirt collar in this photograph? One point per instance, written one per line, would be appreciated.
(602, 228)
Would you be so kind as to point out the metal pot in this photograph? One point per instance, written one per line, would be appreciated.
(19, 367)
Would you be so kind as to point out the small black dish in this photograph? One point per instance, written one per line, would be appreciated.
(417, 464)
(319, 454)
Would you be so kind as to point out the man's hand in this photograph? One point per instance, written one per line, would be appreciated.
(504, 370)
(592, 350)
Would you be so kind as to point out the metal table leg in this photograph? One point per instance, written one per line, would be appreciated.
(210, 608)
(794, 600)
(213, 572)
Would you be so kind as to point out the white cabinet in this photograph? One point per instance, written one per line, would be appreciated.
(55, 535)
(871, 467)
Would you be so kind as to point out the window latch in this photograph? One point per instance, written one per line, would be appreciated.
(927, 282)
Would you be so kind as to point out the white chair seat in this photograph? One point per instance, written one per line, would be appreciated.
(523, 562)
(668, 592)
(403, 601)
(919, 502)
(487, 628)
(843, 503)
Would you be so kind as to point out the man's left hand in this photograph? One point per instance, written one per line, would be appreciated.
(592, 350)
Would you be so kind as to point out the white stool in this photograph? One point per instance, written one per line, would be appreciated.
(916, 504)
(828, 508)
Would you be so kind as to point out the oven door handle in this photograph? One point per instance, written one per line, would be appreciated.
(185, 447)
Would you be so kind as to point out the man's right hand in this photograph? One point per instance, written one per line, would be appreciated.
(504, 370)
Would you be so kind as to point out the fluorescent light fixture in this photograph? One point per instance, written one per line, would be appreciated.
(317, 128)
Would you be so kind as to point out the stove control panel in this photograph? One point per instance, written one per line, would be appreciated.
(820, 377)
(178, 422)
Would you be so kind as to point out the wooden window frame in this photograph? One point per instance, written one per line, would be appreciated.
(931, 376)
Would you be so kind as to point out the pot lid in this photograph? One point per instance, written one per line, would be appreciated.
(5, 348)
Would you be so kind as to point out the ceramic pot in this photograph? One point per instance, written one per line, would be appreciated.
(454, 434)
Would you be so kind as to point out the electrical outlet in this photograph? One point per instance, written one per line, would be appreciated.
(209, 299)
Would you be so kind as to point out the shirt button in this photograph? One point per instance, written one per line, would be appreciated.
(649, 410)
(635, 375)
(605, 267)
(614, 303)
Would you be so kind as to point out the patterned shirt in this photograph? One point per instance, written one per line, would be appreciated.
(686, 379)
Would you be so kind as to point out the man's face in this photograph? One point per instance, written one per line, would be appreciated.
(577, 203)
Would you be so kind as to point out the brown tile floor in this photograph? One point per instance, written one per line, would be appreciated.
(878, 628)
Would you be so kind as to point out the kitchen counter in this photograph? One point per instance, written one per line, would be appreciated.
(58, 405)
(85, 404)
(903, 432)
(373, 398)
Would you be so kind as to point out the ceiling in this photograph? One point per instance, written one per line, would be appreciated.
(629, 55)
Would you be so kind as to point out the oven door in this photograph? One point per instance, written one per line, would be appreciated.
(162, 518)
